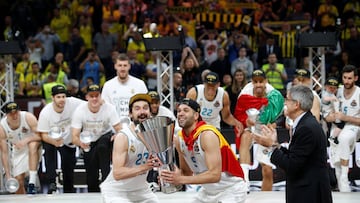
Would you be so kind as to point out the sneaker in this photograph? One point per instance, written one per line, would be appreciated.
(154, 186)
(344, 184)
(31, 189)
(52, 188)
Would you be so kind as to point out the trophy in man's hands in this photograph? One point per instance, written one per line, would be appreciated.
(56, 133)
(86, 138)
(337, 108)
(157, 136)
(253, 115)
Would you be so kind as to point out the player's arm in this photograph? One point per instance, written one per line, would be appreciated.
(315, 109)
(120, 153)
(4, 152)
(192, 94)
(227, 116)
(184, 167)
(33, 123)
(210, 144)
(75, 134)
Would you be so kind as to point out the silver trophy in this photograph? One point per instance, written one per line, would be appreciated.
(157, 136)
(253, 115)
(337, 108)
(86, 138)
(56, 133)
(11, 184)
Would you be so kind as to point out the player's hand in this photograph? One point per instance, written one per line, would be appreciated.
(173, 177)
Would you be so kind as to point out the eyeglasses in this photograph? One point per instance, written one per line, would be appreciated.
(288, 100)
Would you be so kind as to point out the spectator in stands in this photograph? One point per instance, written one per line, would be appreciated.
(221, 65)
(24, 65)
(243, 63)
(63, 64)
(238, 83)
(77, 49)
(61, 25)
(91, 67)
(327, 14)
(137, 45)
(238, 41)
(210, 44)
(104, 44)
(48, 40)
(269, 47)
(189, 67)
(33, 81)
(59, 75)
(275, 73)
(351, 46)
(96, 118)
(35, 49)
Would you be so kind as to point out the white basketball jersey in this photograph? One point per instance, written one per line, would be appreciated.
(137, 155)
(351, 106)
(13, 136)
(195, 159)
(210, 110)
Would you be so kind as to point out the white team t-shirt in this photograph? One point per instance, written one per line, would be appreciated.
(49, 118)
(119, 94)
(97, 123)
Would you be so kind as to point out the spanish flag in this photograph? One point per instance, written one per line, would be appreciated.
(228, 157)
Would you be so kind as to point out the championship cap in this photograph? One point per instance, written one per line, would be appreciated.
(332, 81)
(154, 95)
(93, 88)
(138, 97)
(211, 78)
(11, 107)
(258, 73)
(191, 103)
(58, 89)
(302, 73)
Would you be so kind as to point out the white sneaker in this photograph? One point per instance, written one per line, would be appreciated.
(344, 184)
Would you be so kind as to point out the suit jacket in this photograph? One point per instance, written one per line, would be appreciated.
(263, 54)
(305, 163)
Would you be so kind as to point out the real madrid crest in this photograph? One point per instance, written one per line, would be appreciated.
(217, 104)
(196, 147)
(353, 103)
(132, 148)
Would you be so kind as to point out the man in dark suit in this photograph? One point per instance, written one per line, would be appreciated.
(269, 47)
(305, 161)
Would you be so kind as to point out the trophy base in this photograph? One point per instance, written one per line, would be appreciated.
(168, 189)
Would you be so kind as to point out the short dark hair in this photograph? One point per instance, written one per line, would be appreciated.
(349, 69)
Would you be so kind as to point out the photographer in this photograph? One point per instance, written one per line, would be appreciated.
(91, 68)
(275, 73)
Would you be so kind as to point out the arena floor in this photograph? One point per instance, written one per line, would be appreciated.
(179, 197)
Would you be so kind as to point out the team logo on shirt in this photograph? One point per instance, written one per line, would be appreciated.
(24, 130)
(132, 148)
(353, 103)
(217, 104)
(196, 147)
